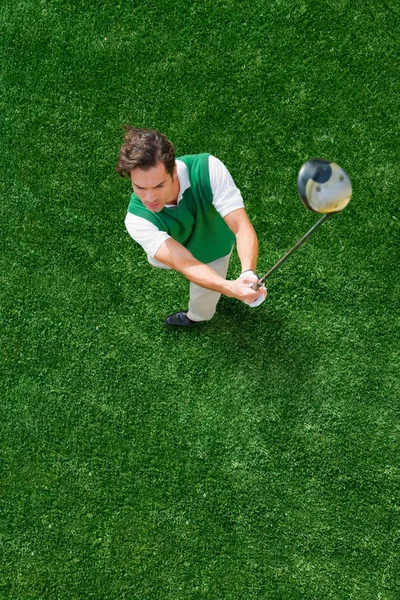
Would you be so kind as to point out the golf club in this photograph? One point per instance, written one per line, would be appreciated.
(324, 187)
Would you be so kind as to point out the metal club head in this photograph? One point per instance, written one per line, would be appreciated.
(323, 186)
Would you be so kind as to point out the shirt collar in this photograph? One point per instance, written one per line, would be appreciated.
(184, 182)
(183, 177)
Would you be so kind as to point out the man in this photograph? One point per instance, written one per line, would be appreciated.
(187, 213)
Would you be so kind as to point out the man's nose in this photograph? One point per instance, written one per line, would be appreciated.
(150, 197)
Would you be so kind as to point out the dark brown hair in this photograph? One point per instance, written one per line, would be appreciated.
(143, 149)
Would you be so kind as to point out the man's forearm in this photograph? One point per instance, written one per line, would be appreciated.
(247, 247)
(246, 238)
(180, 259)
(206, 277)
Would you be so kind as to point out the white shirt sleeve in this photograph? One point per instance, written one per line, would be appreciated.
(145, 233)
(226, 196)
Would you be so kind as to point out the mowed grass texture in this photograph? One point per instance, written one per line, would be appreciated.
(254, 457)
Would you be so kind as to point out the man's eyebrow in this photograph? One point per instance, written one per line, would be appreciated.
(156, 186)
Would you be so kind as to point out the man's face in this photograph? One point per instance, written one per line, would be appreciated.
(155, 187)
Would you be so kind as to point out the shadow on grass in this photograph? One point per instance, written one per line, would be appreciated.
(259, 346)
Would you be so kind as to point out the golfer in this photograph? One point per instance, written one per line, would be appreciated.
(187, 213)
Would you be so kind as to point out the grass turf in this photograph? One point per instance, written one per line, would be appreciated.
(255, 457)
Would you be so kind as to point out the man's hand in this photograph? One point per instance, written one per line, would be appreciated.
(244, 291)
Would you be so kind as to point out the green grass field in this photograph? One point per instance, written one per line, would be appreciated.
(256, 456)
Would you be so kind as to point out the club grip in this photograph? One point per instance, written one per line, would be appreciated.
(255, 286)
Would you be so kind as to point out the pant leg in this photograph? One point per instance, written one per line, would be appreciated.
(203, 302)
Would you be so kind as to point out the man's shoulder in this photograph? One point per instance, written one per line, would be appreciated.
(204, 159)
(194, 159)
(197, 166)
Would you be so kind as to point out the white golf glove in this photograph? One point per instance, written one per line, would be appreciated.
(261, 298)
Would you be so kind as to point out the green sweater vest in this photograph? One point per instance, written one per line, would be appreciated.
(194, 223)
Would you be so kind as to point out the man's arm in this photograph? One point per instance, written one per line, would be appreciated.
(246, 238)
(176, 256)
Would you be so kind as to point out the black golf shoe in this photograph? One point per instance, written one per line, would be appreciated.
(181, 319)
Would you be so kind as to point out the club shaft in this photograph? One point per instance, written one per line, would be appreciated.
(295, 247)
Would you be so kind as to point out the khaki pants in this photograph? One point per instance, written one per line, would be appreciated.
(202, 302)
